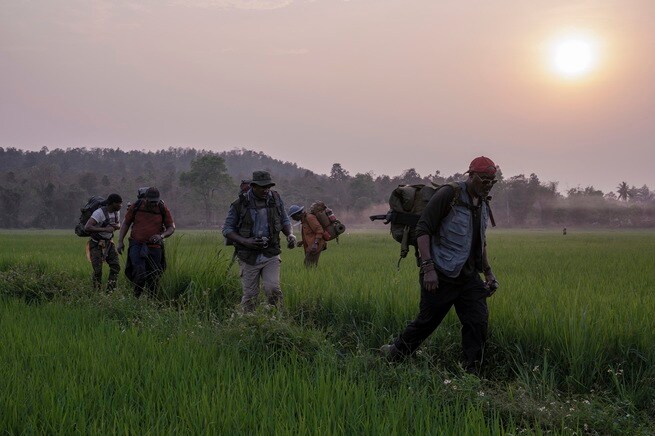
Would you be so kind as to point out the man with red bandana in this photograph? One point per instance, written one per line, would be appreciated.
(451, 237)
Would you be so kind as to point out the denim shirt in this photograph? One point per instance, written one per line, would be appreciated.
(452, 249)
(260, 219)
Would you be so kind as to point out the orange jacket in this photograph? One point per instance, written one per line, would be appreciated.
(312, 231)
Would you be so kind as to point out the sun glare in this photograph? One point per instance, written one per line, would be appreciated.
(574, 56)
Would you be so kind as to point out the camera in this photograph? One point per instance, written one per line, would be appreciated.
(263, 241)
(492, 286)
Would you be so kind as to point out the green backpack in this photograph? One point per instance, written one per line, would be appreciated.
(406, 205)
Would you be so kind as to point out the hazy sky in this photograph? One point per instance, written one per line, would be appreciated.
(377, 85)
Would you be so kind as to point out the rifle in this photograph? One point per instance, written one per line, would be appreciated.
(386, 217)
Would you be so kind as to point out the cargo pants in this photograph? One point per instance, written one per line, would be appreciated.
(104, 251)
(268, 272)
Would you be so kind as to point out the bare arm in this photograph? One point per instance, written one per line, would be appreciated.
(121, 236)
(92, 226)
(430, 279)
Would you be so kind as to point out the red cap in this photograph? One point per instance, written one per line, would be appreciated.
(482, 164)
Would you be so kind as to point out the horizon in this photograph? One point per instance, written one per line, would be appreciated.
(560, 89)
(327, 174)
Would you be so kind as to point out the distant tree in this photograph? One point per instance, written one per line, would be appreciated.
(589, 191)
(622, 191)
(642, 194)
(208, 181)
(362, 190)
(10, 200)
(88, 181)
(436, 178)
(338, 174)
(410, 176)
(633, 193)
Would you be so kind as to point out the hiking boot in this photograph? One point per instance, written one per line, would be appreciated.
(390, 352)
(472, 368)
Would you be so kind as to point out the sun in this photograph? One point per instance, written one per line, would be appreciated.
(574, 56)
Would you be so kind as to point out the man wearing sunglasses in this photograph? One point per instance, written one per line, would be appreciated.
(451, 237)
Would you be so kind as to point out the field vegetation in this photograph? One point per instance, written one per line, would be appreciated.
(571, 348)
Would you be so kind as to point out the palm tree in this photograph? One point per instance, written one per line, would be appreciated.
(623, 190)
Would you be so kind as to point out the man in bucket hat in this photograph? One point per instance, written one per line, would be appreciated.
(253, 224)
(451, 237)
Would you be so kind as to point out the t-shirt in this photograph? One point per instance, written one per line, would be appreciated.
(147, 222)
(100, 218)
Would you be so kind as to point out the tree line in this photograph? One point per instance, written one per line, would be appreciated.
(47, 188)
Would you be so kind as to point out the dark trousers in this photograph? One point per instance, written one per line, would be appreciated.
(104, 251)
(146, 263)
(469, 299)
(311, 259)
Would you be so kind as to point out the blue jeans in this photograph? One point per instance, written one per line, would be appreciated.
(146, 263)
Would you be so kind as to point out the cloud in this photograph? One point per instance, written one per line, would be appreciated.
(255, 5)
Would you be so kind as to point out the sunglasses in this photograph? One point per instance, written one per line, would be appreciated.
(487, 180)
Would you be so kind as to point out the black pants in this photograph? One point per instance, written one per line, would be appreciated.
(469, 298)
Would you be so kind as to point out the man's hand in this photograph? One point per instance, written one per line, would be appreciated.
(490, 282)
(156, 239)
(430, 280)
(291, 241)
(252, 243)
(120, 247)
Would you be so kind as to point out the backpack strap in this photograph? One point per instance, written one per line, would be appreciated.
(162, 209)
(106, 212)
(241, 207)
(458, 202)
(491, 214)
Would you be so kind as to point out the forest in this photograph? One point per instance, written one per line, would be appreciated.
(46, 189)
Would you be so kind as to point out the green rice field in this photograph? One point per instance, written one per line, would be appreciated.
(571, 347)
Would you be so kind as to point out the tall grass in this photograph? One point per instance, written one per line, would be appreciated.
(569, 344)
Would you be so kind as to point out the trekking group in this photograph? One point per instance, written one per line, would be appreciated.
(446, 224)
(151, 222)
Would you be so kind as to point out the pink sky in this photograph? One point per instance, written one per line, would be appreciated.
(377, 85)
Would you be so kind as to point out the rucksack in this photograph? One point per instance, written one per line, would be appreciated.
(160, 205)
(406, 204)
(85, 213)
(332, 227)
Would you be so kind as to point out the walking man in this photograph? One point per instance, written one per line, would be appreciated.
(312, 234)
(151, 223)
(253, 224)
(451, 237)
(101, 226)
